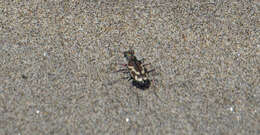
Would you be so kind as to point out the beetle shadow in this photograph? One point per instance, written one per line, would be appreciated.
(142, 85)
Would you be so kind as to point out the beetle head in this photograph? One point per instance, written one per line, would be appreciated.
(129, 55)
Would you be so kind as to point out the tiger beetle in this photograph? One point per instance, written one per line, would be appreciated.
(137, 70)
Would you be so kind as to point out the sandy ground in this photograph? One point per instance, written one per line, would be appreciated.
(58, 58)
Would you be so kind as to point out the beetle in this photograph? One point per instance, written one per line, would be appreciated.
(137, 71)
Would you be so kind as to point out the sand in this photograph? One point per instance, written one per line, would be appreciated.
(58, 63)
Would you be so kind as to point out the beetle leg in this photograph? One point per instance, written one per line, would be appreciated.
(155, 93)
(123, 65)
(120, 70)
(150, 71)
(146, 64)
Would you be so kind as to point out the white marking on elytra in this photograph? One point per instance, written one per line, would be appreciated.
(139, 79)
(143, 72)
(133, 69)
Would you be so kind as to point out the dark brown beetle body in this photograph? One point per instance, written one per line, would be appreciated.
(137, 71)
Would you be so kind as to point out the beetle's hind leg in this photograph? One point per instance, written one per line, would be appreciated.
(124, 70)
(155, 93)
(152, 70)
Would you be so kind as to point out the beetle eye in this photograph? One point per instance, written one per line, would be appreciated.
(126, 54)
(129, 53)
(132, 52)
